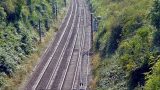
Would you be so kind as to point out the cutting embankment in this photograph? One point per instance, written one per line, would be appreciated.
(126, 45)
(26, 28)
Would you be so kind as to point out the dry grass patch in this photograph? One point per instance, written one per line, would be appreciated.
(95, 62)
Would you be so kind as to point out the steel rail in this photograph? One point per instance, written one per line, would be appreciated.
(47, 50)
(47, 64)
(79, 66)
(88, 57)
(70, 57)
(61, 56)
(79, 55)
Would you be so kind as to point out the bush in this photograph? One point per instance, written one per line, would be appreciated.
(19, 31)
(111, 75)
(154, 78)
(155, 14)
(129, 35)
(112, 44)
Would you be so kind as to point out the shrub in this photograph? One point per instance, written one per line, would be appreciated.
(155, 14)
(154, 78)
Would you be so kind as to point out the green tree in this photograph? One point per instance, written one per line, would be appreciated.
(155, 14)
(154, 78)
(155, 21)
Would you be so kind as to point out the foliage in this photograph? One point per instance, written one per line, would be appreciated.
(135, 52)
(19, 31)
(111, 75)
(155, 14)
(155, 21)
(128, 33)
(154, 78)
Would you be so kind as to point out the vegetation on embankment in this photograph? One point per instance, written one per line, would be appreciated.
(127, 45)
(19, 36)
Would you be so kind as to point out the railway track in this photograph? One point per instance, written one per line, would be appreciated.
(62, 65)
(81, 80)
(76, 75)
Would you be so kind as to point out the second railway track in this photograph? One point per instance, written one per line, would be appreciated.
(61, 67)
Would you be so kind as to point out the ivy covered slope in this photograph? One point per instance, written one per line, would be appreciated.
(127, 45)
(19, 30)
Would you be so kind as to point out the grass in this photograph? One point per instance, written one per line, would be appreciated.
(22, 74)
(95, 62)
